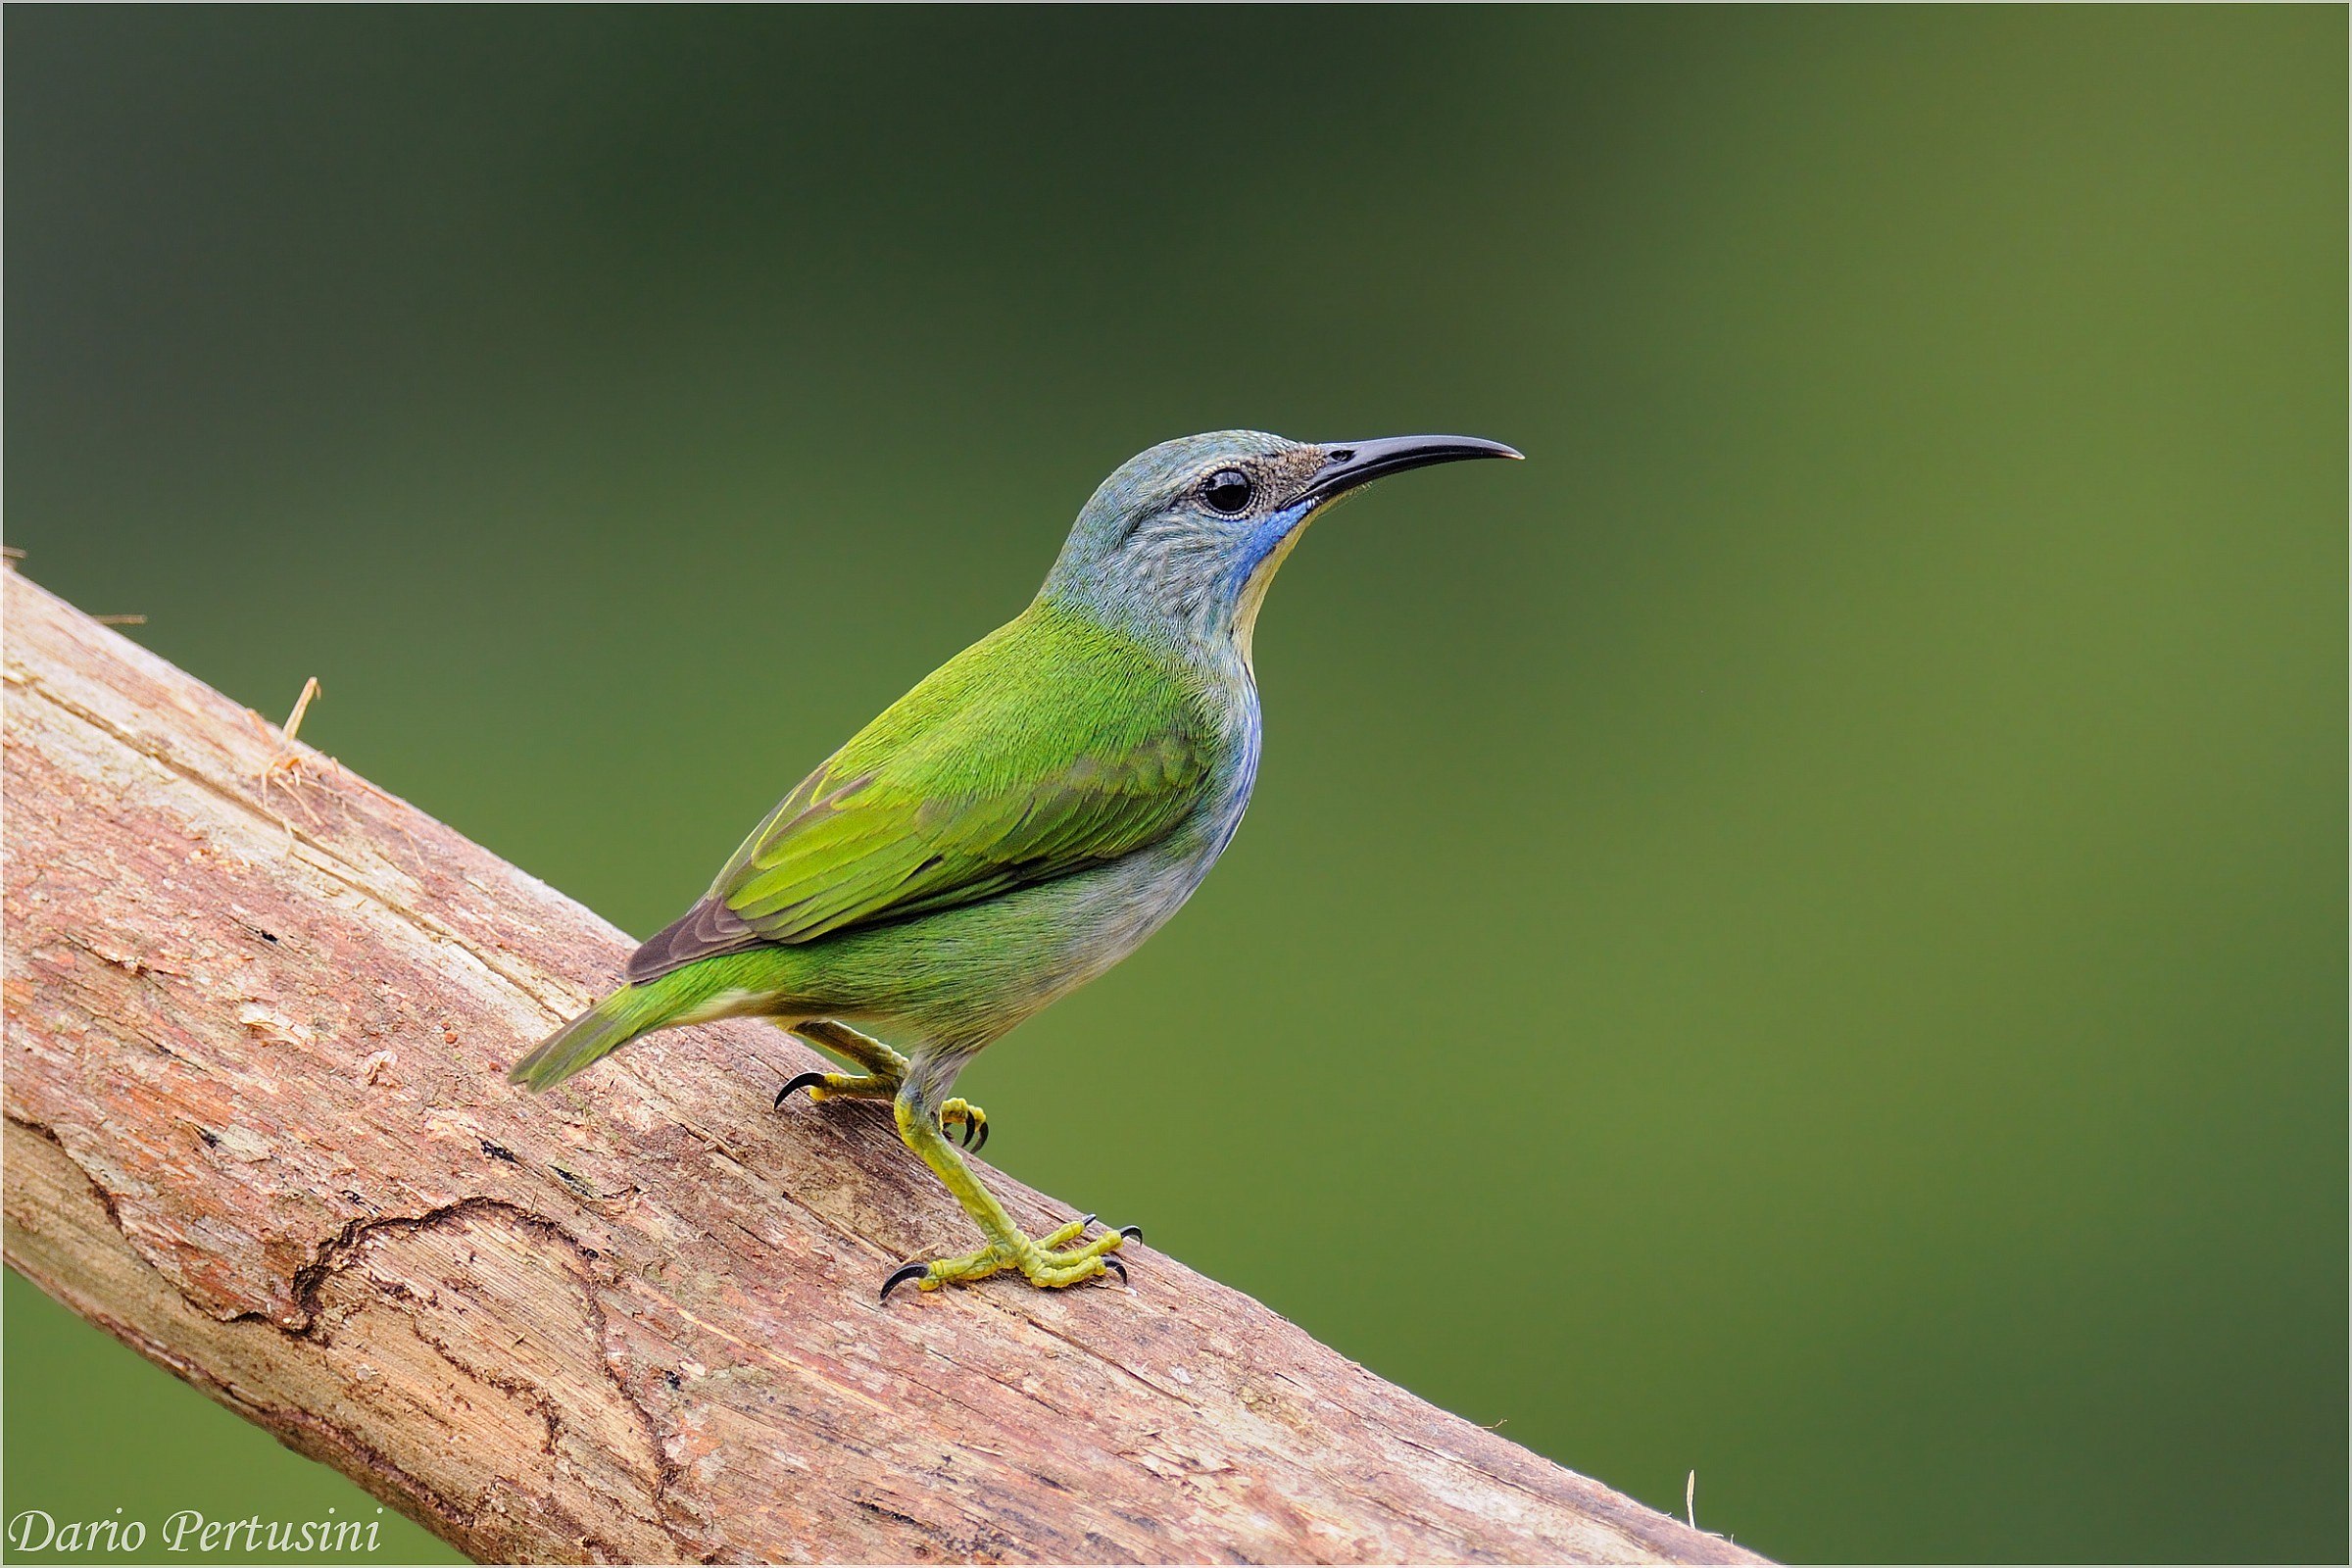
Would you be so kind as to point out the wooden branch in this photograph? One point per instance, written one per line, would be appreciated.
(256, 1018)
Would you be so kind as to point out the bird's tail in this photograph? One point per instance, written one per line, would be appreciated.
(594, 1035)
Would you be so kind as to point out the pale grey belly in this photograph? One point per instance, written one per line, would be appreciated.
(955, 980)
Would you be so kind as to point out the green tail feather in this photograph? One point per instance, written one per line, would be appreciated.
(682, 996)
(591, 1037)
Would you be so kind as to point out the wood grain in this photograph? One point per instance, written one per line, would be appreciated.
(256, 1128)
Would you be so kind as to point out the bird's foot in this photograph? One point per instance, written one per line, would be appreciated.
(824, 1086)
(1048, 1262)
(962, 1112)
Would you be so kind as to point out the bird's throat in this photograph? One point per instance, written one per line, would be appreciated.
(1252, 595)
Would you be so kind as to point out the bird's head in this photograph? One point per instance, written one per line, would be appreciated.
(1184, 538)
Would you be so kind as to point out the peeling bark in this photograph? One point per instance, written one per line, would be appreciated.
(256, 1128)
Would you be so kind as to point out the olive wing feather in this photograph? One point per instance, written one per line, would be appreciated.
(1011, 765)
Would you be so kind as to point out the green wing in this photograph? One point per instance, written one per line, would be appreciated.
(1045, 748)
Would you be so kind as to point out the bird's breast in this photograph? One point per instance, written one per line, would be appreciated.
(1236, 775)
(1139, 894)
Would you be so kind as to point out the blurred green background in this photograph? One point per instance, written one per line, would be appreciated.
(1817, 902)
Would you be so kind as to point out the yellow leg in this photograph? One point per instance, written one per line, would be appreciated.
(885, 1071)
(1041, 1262)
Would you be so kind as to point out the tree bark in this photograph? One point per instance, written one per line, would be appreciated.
(256, 1022)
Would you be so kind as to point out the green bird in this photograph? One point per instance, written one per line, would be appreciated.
(1015, 824)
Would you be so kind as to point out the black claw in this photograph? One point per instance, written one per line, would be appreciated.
(1134, 1233)
(983, 1143)
(801, 1082)
(913, 1271)
(1116, 1267)
(1084, 1223)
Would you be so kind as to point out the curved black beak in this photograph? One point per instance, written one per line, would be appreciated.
(1349, 463)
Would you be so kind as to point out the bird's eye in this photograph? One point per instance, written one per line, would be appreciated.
(1228, 490)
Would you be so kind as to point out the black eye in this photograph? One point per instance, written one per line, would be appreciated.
(1228, 490)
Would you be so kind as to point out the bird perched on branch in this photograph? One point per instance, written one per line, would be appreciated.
(1017, 823)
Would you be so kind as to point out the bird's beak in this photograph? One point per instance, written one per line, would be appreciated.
(1349, 463)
